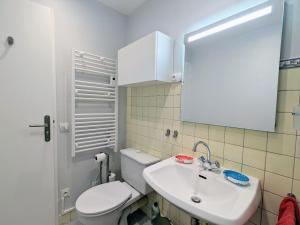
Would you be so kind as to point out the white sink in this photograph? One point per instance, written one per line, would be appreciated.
(222, 202)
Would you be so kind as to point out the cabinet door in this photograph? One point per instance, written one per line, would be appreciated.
(136, 62)
(164, 57)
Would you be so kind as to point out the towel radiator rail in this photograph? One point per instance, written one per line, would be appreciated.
(93, 88)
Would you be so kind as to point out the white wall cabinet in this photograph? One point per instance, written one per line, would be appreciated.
(147, 60)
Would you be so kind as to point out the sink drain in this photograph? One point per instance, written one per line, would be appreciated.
(196, 199)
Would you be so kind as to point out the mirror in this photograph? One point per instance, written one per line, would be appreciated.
(231, 70)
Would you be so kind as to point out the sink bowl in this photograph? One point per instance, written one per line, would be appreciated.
(216, 199)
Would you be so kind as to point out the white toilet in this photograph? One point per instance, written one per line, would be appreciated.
(108, 204)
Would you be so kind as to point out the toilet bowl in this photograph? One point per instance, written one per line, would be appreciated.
(109, 203)
(104, 204)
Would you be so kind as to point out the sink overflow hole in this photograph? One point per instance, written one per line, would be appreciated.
(203, 177)
(196, 199)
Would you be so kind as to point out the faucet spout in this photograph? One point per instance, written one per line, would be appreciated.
(205, 145)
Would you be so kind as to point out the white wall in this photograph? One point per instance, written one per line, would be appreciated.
(177, 17)
(90, 26)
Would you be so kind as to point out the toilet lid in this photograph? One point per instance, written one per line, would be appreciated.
(103, 198)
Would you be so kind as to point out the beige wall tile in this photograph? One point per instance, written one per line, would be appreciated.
(188, 128)
(234, 136)
(232, 165)
(233, 153)
(173, 214)
(177, 101)
(298, 147)
(178, 125)
(217, 148)
(277, 184)
(297, 169)
(176, 89)
(254, 158)
(280, 164)
(152, 91)
(169, 101)
(185, 219)
(271, 202)
(128, 92)
(176, 149)
(296, 189)
(176, 113)
(178, 140)
(188, 141)
(140, 91)
(74, 215)
(255, 139)
(160, 90)
(268, 218)
(249, 223)
(216, 133)
(129, 99)
(146, 90)
(281, 143)
(289, 79)
(254, 172)
(167, 113)
(201, 130)
(139, 101)
(160, 101)
(152, 101)
(65, 219)
(133, 91)
(166, 124)
(287, 100)
(167, 149)
(168, 89)
(171, 89)
(133, 101)
(284, 123)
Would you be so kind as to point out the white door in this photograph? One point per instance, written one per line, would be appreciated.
(27, 187)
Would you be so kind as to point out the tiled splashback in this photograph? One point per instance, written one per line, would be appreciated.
(274, 158)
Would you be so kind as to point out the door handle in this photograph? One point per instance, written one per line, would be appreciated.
(46, 127)
(36, 125)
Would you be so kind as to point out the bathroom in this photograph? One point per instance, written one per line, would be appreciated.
(47, 41)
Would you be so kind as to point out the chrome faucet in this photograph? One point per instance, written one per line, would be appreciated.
(207, 164)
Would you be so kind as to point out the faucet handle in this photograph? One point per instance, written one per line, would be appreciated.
(202, 159)
(217, 164)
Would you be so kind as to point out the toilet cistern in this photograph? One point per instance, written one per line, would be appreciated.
(207, 164)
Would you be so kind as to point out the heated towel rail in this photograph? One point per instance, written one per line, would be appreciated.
(94, 102)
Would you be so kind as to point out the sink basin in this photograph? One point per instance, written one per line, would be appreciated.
(221, 202)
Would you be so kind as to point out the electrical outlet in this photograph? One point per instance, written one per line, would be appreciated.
(65, 193)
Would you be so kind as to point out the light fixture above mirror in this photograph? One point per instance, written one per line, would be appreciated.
(231, 23)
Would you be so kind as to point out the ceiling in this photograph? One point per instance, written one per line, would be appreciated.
(123, 6)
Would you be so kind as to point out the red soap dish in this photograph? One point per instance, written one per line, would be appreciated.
(185, 159)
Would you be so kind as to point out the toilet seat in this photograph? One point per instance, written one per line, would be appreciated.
(103, 199)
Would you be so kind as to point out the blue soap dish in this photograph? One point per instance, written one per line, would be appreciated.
(236, 177)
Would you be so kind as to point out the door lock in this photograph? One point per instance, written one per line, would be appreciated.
(46, 127)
